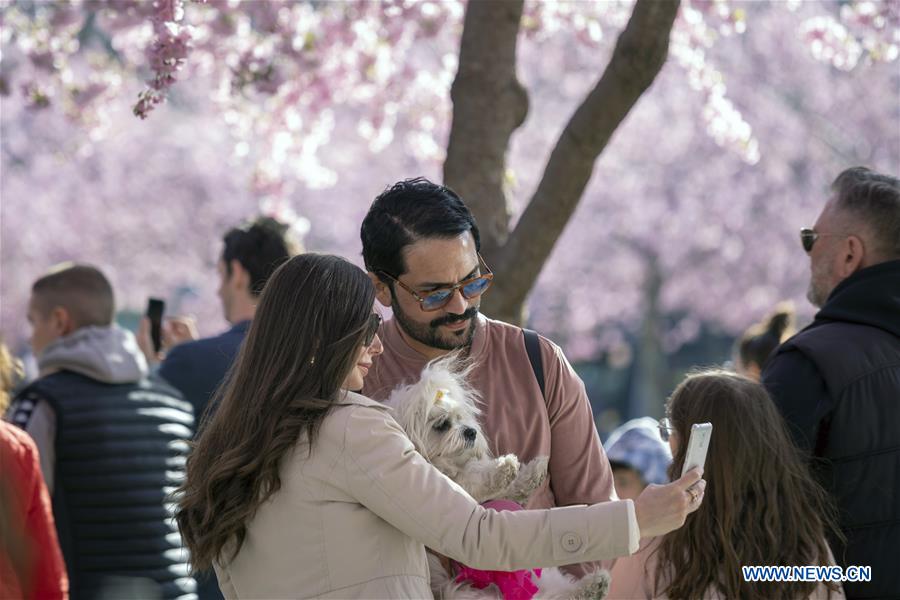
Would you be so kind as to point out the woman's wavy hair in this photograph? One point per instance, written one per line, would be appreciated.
(304, 340)
(761, 506)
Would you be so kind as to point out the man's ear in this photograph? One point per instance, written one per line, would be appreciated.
(852, 257)
(240, 277)
(382, 291)
(61, 321)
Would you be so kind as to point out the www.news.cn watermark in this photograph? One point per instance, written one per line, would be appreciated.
(807, 573)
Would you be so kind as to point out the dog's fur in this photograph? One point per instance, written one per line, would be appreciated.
(440, 415)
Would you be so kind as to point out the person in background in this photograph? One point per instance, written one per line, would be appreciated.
(837, 382)
(762, 508)
(112, 442)
(196, 367)
(638, 456)
(31, 563)
(760, 340)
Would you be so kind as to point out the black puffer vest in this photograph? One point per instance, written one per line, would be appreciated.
(855, 344)
(120, 450)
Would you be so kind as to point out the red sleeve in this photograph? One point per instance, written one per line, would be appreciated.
(49, 576)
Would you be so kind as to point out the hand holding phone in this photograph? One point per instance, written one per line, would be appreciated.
(660, 509)
(697, 447)
(155, 308)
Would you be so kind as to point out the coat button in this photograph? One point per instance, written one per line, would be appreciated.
(571, 542)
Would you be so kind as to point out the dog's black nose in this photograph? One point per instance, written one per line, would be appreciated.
(469, 434)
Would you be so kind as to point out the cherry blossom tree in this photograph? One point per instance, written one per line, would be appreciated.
(689, 222)
(147, 205)
(683, 229)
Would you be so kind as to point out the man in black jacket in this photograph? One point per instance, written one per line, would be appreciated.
(112, 443)
(837, 382)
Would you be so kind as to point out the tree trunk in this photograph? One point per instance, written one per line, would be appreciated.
(647, 392)
(488, 105)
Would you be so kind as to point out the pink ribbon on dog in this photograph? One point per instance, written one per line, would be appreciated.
(514, 585)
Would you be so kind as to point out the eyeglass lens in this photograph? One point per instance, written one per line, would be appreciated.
(439, 298)
(372, 329)
(808, 238)
(664, 426)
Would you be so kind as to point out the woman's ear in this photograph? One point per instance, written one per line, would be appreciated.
(382, 291)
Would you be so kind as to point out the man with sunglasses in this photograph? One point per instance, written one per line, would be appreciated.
(421, 248)
(837, 382)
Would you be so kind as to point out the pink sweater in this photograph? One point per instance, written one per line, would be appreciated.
(516, 418)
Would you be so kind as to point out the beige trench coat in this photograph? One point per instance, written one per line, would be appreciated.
(353, 519)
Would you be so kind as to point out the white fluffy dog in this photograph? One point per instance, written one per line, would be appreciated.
(440, 415)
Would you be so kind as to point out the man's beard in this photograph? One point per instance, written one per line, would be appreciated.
(814, 295)
(817, 294)
(429, 335)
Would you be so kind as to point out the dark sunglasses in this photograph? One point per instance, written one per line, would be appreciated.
(371, 329)
(439, 298)
(808, 238)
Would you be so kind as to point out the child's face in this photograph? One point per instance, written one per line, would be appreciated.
(628, 482)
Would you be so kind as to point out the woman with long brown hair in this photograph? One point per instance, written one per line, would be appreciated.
(762, 507)
(298, 487)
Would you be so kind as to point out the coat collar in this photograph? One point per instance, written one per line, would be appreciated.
(352, 398)
(871, 296)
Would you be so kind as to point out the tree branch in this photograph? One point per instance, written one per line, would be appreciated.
(640, 53)
(489, 104)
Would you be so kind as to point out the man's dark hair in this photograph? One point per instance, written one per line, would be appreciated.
(406, 212)
(81, 289)
(260, 246)
(875, 199)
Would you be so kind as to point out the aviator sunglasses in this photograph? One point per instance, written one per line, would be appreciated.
(439, 298)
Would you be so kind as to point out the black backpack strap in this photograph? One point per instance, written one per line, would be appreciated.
(533, 348)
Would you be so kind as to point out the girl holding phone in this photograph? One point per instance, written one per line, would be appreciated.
(762, 506)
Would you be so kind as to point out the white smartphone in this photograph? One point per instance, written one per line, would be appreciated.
(698, 445)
